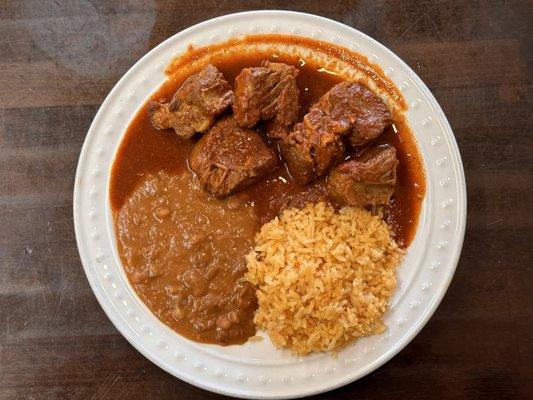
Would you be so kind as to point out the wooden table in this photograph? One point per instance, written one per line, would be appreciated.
(58, 60)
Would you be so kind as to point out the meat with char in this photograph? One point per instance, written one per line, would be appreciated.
(195, 105)
(266, 92)
(368, 180)
(313, 147)
(229, 158)
(359, 107)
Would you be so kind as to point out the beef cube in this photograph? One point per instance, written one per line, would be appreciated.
(313, 193)
(360, 108)
(228, 158)
(195, 105)
(368, 180)
(186, 120)
(276, 131)
(266, 92)
(313, 147)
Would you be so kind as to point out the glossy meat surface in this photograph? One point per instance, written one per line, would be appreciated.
(368, 180)
(313, 147)
(229, 158)
(195, 105)
(266, 92)
(358, 107)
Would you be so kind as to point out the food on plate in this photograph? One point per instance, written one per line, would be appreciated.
(357, 107)
(317, 143)
(274, 130)
(184, 251)
(258, 189)
(266, 92)
(324, 277)
(313, 147)
(195, 105)
(229, 158)
(368, 180)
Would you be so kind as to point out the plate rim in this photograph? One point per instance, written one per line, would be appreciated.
(418, 325)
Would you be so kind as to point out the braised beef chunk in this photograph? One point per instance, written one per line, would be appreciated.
(359, 107)
(313, 193)
(338, 103)
(266, 92)
(313, 147)
(195, 105)
(275, 130)
(368, 180)
(185, 121)
(229, 158)
(316, 145)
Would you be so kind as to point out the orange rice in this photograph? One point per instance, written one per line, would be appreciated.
(323, 277)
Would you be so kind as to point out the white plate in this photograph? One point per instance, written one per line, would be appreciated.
(258, 370)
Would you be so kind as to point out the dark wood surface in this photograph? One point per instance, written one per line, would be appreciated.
(59, 59)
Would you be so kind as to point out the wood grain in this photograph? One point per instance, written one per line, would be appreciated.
(56, 69)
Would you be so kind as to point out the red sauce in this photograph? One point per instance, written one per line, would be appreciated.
(146, 150)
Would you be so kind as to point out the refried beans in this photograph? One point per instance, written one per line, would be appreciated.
(184, 251)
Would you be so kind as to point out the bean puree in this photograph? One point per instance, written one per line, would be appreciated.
(184, 251)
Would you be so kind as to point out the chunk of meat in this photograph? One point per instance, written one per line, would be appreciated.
(186, 121)
(368, 180)
(313, 193)
(229, 158)
(195, 105)
(275, 130)
(358, 107)
(266, 92)
(313, 147)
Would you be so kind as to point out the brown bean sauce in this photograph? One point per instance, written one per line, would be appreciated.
(184, 251)
(189, 272)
